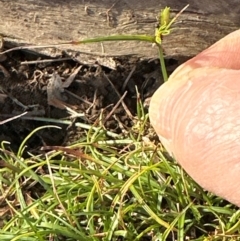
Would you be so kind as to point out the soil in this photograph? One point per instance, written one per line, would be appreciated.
(24, 88)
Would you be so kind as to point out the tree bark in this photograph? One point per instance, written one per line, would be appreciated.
(41, 22)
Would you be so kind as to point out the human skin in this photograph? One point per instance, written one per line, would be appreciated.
(196, 115)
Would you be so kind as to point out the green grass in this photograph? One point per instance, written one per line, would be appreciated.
(107, 186)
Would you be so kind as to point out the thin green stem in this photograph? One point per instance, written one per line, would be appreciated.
(146, 38)
(162, 63)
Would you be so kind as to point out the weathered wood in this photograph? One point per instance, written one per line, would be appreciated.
(48, 22)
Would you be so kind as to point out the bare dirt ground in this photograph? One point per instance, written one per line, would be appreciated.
(93, 90)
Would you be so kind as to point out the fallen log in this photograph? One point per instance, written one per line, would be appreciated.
(48, 22)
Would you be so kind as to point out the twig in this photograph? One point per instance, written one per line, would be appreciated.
(45, 61)
(108, 11)
(78, 97)
(123, 104)
(115, 107)
(128, 78)
(94, 101)
(16, 101)
(13, 118)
